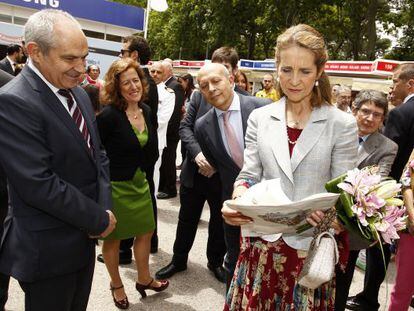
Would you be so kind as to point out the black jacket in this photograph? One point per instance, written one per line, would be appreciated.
(400, 128)
(121, 143)
(174, 123)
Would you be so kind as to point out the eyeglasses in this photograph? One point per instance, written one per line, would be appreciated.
(124, 51)
(366, 113)
(267, 81)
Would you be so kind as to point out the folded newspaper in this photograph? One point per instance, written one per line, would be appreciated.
(272, 211)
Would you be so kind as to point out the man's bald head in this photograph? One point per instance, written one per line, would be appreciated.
(157, 72)
(168, 69)
(216, 85)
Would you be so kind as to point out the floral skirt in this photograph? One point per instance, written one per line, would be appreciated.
(266, 278)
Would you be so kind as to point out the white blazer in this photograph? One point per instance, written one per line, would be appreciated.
(166, 102)
(326, 148)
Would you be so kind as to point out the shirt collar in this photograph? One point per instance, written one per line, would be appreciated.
(36, 71)
(10, 60)
(365, 137)
(407, 98)
(235, 105)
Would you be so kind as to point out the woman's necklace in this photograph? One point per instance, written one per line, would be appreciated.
(290, 141)
(133, 115)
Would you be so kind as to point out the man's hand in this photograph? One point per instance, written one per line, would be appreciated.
(111, 225)
(204, 168)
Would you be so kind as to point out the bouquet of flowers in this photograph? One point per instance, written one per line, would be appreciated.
(368, 206)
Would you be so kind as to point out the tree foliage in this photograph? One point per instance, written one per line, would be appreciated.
(193, 29)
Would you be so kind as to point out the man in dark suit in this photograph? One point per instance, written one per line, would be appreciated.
(4, 279)
(58, 175)
(370, 109)
(168, 176)
(196, 188)
(400, 123)
(216, 142)
(14, 57)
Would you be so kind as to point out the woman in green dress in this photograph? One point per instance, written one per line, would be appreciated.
(131, 144)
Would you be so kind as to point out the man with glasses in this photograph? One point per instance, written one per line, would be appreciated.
(268, 89)
(370, 109)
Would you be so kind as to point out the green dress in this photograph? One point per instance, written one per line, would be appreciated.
(132, 205)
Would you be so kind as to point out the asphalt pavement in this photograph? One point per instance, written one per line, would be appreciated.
(193, 289)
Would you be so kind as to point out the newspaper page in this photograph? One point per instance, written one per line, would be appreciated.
(272, 212)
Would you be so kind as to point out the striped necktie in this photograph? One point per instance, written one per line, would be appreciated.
(77, 116)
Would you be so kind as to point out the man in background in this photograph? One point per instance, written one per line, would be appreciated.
(13, 58)
(269, 90)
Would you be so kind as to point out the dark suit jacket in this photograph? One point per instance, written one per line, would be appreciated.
(6, 66)
(4, 78)
(121, 143)
(58, 190)
(197, 108)
(376, 150)
(239, 90)
(207, 132)
(400, 129)
(174, 123)
(152, 97)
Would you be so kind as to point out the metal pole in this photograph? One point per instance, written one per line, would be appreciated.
(147, 14)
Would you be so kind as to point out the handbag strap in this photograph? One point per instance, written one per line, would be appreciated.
(326, 222)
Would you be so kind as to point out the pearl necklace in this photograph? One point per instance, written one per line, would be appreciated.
(290, 141)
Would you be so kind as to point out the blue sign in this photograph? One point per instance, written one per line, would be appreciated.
(257, 64)
(246, 63)
(97, 10)
(264, 65)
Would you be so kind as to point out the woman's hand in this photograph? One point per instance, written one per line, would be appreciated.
(238, 192)
(316, 217)
(233, 217)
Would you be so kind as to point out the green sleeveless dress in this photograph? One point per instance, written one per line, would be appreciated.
(132, 205)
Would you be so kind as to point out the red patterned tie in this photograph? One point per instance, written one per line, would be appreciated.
(236, 150)
(76, 115)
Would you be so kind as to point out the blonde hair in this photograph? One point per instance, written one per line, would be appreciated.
(307, 37)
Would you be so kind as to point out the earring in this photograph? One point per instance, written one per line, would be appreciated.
(277, 79)
(317, 83)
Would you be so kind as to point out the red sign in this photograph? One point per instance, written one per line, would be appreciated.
(383, 65)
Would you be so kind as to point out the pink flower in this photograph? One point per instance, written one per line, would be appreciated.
(359, 181)
(392, 222)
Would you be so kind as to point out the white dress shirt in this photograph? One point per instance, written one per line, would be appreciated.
(235, 120)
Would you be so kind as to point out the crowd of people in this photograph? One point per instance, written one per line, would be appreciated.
(86, 159)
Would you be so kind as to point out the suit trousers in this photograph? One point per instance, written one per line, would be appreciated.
(4, 279)
(168, 171)
(404, 281)
(374, 275)
(125, 246)
(192, 203)
(232, 239)
(69, 292)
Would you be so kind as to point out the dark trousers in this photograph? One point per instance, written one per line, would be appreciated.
(4, 279)
(232, 239)
(69, 292)
(125, 247)
(192, 203)
(374, 275)
(168, 172)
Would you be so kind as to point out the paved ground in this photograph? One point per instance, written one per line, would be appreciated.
(194, 289)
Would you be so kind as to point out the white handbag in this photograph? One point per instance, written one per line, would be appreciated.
(323, 255)
(319, 266)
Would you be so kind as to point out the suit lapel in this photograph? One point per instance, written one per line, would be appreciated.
(310, 135)
(245, 110)
(216, 140)
(279, 135)
(368, 147)
(51, 100)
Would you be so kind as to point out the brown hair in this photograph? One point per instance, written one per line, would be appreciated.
(406, 71)
(110, 93)
(226, 54)
(307, 37)
(240, 74)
